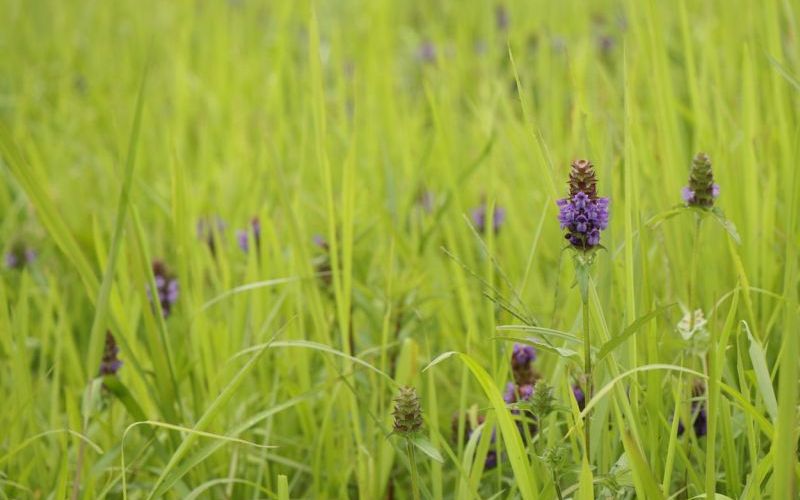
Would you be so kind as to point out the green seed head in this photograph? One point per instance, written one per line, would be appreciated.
(407, 411)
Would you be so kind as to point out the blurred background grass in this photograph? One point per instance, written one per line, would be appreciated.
(380, 125)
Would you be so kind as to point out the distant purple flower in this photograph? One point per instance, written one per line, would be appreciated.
(510, 394)
(580, 397)
(479, 218)
(19, 256)
(427, 52)
(699, 420)
(522, 355)
(515, 393)
(110, 364)
(426, 200)
(11, 260)
(243, 235)
(501, 17)
(166, 287)
(583, 214)
(491, 460)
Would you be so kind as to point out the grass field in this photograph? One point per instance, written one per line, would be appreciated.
(343, 198)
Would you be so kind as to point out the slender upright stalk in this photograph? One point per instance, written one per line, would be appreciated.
(587, 368)
(693, 270)
(414, 473)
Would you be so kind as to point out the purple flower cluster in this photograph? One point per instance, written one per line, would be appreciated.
(583, 218)
(699, 420)
(479, 218)
(580, 396)
(19, 256)
(689, 195)
(515, 393)
(243, 235)
(166, 287)
(110, 364)
(522, 356)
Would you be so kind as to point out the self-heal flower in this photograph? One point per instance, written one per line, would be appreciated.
(479, 218)
(583, 214)
(110, 364)
(166, 287)
(701, 190)
(407, 411)
(580, 397)
(19, 256)
(243, 235)
(522, 358)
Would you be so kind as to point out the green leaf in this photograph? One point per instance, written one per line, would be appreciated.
(517, 456)
(615, 342)
(759, 360)
(563, 352)
(726, 224)
(425, 445)
(543, 331)
(585, 481)
(283, 487)
(657, 219)
(645, 483)
(118, 389)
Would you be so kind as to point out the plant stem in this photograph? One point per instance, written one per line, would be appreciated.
(558, 487)
(693, 270)
(414, 473)
(587, 370)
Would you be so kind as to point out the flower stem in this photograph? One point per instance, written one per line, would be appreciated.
(693, 270)
(414, 473)
(587, 370)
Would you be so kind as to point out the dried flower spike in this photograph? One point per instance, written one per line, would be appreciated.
(110, 364)
(583, 214)
(407, 411)
(701, 191)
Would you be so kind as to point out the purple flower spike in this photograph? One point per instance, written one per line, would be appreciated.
(579, 396)
(510, 394)
(167, 289)
(243, 235)
(110, 365)
(522, 355)
(479, 218)
(525, 392)
(19, 256)
(583, 214)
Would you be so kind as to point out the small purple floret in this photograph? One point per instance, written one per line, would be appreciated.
(583, 218)
(243, 235)
(522, 355)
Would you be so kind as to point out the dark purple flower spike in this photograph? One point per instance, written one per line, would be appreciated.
(167, 289)
(583, 214)
(243, 236)
(479, 218)
(110, 364)
(19, 256)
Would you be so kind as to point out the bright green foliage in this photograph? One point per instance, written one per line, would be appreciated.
(379, 126)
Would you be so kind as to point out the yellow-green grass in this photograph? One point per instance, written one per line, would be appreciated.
(274, 377)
